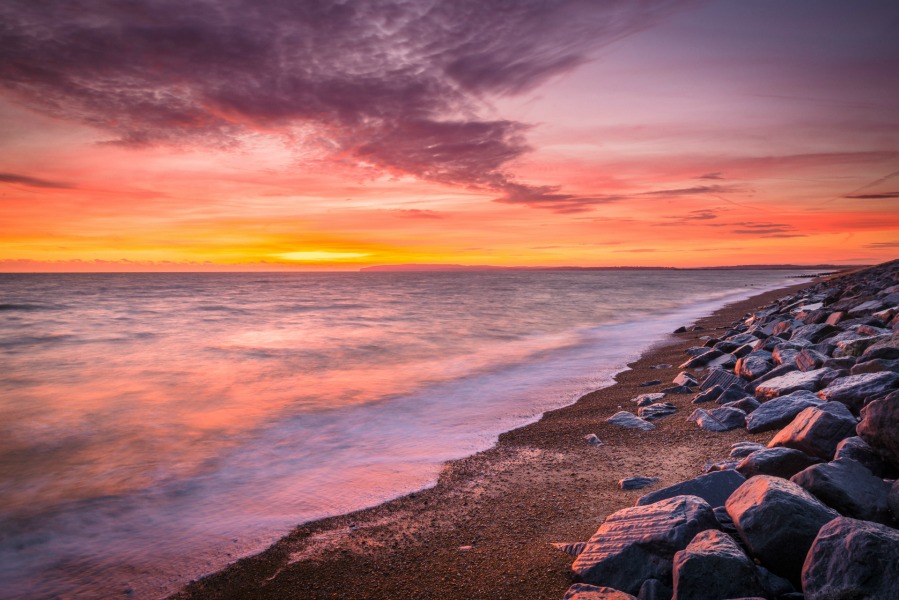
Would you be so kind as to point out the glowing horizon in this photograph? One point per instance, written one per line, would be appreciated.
(558, 134)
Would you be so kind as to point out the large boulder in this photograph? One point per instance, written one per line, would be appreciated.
(793, 382)
(778, 462)
(880, 426)
(636, 544)
(852, 559)
(719, 419)
(854, 389)
(849, 488)
(714, 566)
(886, 349)
(809, 360)
(752, 366)
(857, 449)
(813, 333)
(625, 419)
(778, 521)
(857, 346)
(893, 500)
(715, 488)
(778, 412)
(875, 365)
(585, 591)
(817, 430)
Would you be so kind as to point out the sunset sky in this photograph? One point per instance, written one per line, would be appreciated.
(249, 134)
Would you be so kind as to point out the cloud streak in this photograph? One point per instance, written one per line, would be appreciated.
(33, 181)
(397, 85)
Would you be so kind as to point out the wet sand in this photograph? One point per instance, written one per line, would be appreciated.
(485, 530)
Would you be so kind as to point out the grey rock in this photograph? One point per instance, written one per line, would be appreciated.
(858, 346)
(636, 483)
(817, 430)
(775, 372)
(697, 350)
(569, 548)
(780, 411)
(879, 427)
(639, 543)
(793, 382)
(777, 587)
(685, 379)
(893, 501)
(854, 389)
(678, 389)
(585, 591)
(839, 364)
(653, 589)
(656, 411)
(814, 333)
(849, 488)
(714, 566)
(702, 360)
(661, 366)
(778, 521)
(680, 329)
(647, 399)
(721, 378)
(719, 419)
(713, 487)
(747, 404)
(708, 395)
(744, 449)
(809, 360)
(852, 559)
(631, 421)
(732, 394)
(720, 465)
(859, 450)
(744, 349)
(725, 361)
(866, 307)
(876, 365)
(593, 439)
(887, 349)
(777, 462)
(782, 356)
(751, 367)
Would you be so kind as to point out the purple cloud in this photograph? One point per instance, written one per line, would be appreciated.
(33, 181)
(392, 83)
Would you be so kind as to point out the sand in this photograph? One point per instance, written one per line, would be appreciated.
(486, 529)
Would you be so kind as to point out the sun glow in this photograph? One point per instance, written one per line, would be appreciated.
(320, 255)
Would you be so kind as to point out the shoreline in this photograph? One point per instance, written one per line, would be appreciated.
(486, 528)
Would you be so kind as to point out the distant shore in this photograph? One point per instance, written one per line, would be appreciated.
(485, 530)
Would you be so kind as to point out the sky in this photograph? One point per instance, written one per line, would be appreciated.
(157, 135)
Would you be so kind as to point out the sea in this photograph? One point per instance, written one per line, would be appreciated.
(155, 427)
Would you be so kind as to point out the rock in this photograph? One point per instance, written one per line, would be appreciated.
(750, 367)
(778, 521)
(719, 419)
(647, 399)
(636, 544)
(809, 360)
(784, 356)
(857, 346)
(678, 389)
(572, 549)
(852, 559)
(866, 307)
(661, 366)
(708, 395)
(777, 462)
(853, 390)
(849, 488)
(775, 372)
(656, 411)
(685, 379)
(813, 333)
(839, 364)
(777, 587)
(893, 501)
(713, 487)
(780, 411)
(725, 361)
(714, 566)
(720, 465)
(859, 450)
(732, 394)
(584, 591)
(747, 404)
(680, 329)
(636, 483)
(721, 378)
(697, 350)
(744, 449)
(724, 520)
(625, 419)
(835, 317)
(887, 349)
(651, 383)
(793, 382)
(702, 359)
(653, 589)
(879, 427)
(876, 365)
(592, 439)
(817, 430)
(744, 350)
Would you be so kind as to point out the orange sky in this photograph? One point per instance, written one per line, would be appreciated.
(682, 139)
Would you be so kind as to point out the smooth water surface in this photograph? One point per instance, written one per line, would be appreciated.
(154, 427)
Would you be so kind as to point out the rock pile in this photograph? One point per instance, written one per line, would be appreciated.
(813, 515)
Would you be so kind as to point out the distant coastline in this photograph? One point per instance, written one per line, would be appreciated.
(467, 268)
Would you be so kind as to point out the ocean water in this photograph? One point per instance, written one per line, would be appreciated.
(155, 427)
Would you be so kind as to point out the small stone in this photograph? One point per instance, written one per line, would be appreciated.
(678, 389)
(684, 378)
(647, 399)
(707, 396)
(636, 483)
(656, 411)
(651, 383)
(719, 419)
(744, 449)
(630, 420)
(593, 439)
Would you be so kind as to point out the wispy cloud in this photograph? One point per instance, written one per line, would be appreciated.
(883, 196)
(34, 181)
(396, 85)
(882, 245)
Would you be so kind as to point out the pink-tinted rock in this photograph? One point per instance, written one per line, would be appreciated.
(584, 591)
(849, 488)
(880, 426)
(817, 430)
(854, 389)
(639, 543)
(793, 382)
(714, 566)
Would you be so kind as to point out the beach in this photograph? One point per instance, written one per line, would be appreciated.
(487, 528)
